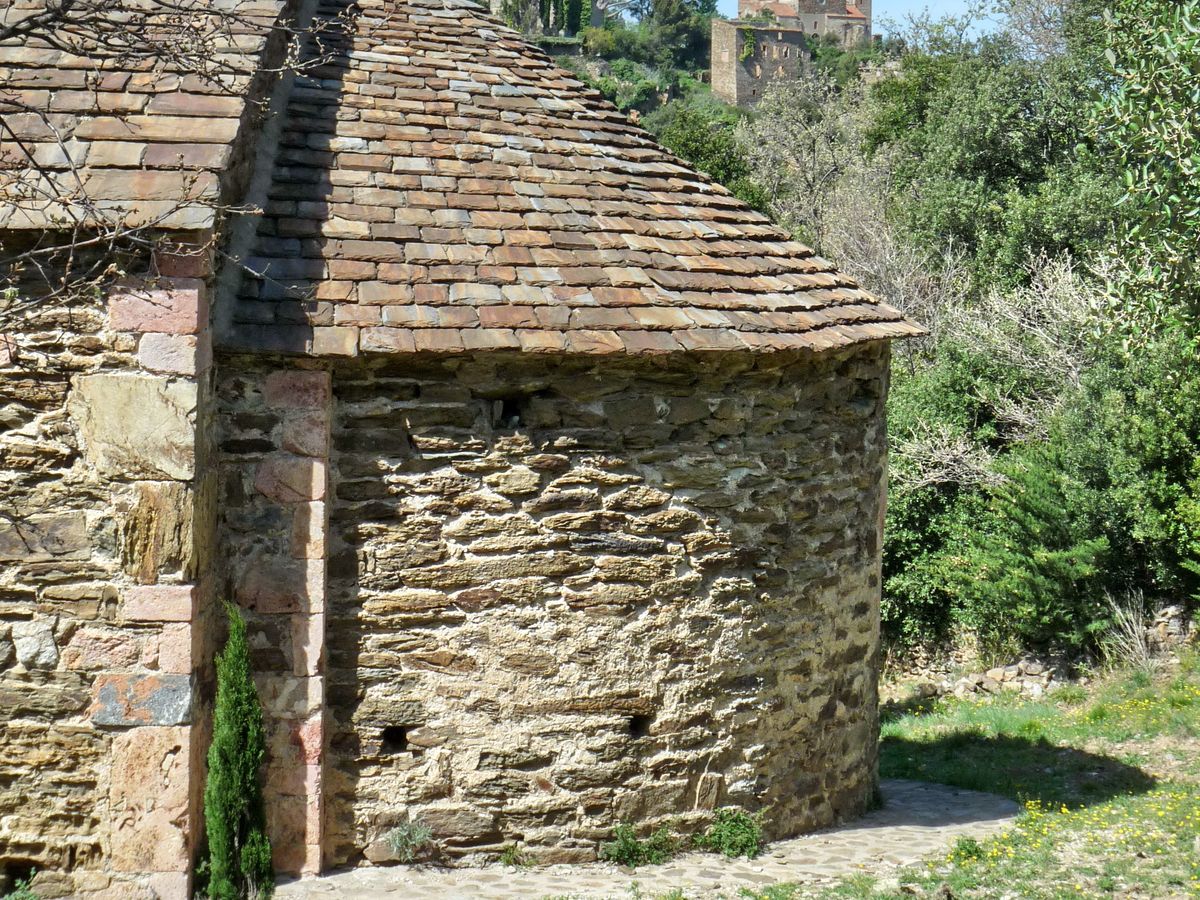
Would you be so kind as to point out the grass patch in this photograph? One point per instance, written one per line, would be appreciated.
(1108, 777)
(512, 855)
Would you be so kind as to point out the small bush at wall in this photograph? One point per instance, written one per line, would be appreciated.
(21, 891)
(238, 856)
(627, 849)
(408, 839)
(512, 856)
(733, 833)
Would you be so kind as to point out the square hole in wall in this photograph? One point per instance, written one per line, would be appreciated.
(394, 739)
(508, 412)
(639, 726)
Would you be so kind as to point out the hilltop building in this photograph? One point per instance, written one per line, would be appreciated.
(769, 40)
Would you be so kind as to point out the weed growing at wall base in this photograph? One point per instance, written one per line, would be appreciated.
(733, 833)
(408, 839)
(21, 891)
(627, 849)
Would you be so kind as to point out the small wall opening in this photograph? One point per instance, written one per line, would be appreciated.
(639, 726)
(14, 873)
(508, 412)
(394, 739)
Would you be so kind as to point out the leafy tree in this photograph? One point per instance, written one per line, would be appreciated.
(800, 143)
(1152, 120)
(1032, 577)
(239, 852)
(994, 156)
(705, 138)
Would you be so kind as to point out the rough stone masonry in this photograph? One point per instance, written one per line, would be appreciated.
(564, 593)
(548, 475)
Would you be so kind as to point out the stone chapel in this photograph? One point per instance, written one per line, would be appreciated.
(548, 476)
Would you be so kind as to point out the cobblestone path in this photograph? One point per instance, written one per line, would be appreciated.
(917, 820)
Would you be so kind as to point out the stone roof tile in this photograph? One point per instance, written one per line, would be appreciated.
(108, 116)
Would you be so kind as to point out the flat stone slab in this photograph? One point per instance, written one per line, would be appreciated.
(916, 821)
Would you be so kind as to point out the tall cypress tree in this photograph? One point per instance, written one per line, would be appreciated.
(239, 852)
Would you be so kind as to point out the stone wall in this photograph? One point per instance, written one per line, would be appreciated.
(560, 593)
(741, 78)
(274, 427)
(105, 528)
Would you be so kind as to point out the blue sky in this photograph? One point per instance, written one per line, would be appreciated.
(890, 9)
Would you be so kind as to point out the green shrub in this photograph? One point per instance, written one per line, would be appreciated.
(966, 848)
(733, 833)
(627, 849)
(21, 891)
(512, 856)
(408, 838)
(1031, 578)
(237, 860)
(599, 42)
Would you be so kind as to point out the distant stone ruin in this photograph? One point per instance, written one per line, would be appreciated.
(770, 41)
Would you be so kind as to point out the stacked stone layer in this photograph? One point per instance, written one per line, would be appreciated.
(105, 537)
(563, 596)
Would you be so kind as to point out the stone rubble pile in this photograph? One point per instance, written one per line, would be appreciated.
(1029, 677)
(1169, 630)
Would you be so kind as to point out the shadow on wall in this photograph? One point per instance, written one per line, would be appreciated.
(282, 298)
(1018, 768)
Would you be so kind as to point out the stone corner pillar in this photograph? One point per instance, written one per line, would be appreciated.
(281, 583)
(146, 431)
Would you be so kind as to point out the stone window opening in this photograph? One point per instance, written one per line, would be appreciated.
(394, 740)
(639, 726)
(15, 872)
(508, 412)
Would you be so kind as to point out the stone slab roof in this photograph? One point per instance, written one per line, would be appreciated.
(442, 185)
(125, 111)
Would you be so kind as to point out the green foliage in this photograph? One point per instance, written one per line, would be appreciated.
(966, 848)
(512, 856)
(733, 833)
(1032, 576)
(21, 891)
(599, 42)
(238, 854)
(704, 136)
(627, 849)
(842, 63)
(1133, 436)
(673, 35)
(994, 157)
(1152, 122)
(408, 839)
(748, 44)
